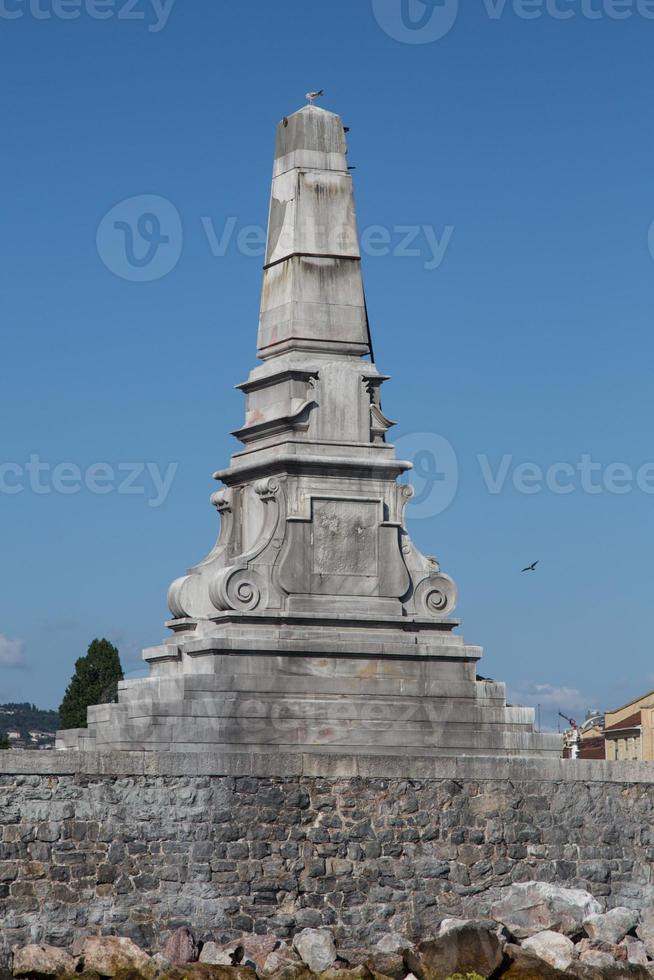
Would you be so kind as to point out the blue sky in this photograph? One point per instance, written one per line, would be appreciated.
(516, 149)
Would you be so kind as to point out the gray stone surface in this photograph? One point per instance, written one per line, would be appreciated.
(597, 958)
(556, 950)
(315, 623)
(612, 926)
(645, 930)
(532, 907)
(636, 950)
(144, 854)
(393, 942)
(324, 764)
(42, 961)
(181, 947)
(215, 954)
(316, 949)
(110, 955)
(473, 947)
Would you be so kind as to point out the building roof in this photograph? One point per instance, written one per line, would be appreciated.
(633, 701)
(631, 721)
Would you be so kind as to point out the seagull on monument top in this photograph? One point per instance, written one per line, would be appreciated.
(312, 96)
(531, 568)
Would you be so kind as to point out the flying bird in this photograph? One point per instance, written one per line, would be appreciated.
(312, 96)
(346, 129)
(531, 568)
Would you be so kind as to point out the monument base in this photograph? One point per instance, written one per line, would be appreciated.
(256, 683)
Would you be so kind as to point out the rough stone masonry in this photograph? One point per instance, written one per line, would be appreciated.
(138, 844)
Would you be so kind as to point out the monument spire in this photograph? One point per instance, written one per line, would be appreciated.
(312, 296)
(314, 623)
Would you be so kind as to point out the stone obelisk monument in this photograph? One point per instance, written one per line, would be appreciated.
(314, 624)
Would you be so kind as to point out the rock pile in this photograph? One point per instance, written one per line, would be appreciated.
(536, 930)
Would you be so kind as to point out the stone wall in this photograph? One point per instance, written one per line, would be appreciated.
(138, 844)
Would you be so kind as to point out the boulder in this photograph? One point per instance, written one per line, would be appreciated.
(181, 948)
(253, 950)
(109, 955)
(448, 924)
(354, 973)
(160, 965)
(615, 952)
(552, 947)
(250, 950)
(645, 931)
(204, 971)
(636, 951)
(614, 971)
(215, 955)
(289, 971)
(279, 958)
(612, 926)
(393, 942)
(526, 965)
(473, 947)
(587, 943)
(42, 961)
(385, 964)
(537, 906)
(316, 949)
(597, 958)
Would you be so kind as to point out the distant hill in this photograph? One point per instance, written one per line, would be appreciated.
(35, 726)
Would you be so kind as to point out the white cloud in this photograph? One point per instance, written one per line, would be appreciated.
(566, 699)
(11, 652)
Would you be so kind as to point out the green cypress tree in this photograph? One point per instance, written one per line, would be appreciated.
(95, 681)
(4, 741)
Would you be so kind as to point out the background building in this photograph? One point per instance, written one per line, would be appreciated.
(629, 731)
(592, 744)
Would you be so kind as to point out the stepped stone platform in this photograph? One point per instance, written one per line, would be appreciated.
(403, 709)
(315, 623)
